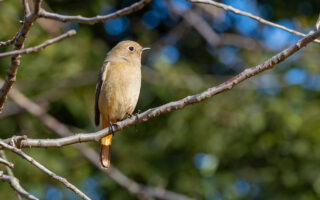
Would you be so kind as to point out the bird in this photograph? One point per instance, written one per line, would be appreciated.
(117, 89)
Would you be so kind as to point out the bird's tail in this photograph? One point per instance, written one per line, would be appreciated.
(105, 147)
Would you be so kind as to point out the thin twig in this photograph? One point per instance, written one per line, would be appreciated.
(6, 163)
(9, 171)
(44, 169)
(259, 19)
(63, 131)
(26, 7)
(92, 20)
(39, 47)
(318, 23)
(7, 43)
(14, 183)
(37, 6)
(15, 60)
(154, 112)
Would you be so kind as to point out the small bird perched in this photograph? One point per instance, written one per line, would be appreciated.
(117, 89)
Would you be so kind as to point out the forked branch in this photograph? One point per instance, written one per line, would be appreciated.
(44, 169)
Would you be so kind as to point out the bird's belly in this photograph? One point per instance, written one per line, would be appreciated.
(119, 98)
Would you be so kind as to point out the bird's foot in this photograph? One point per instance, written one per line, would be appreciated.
(137, 113)
(111, 126)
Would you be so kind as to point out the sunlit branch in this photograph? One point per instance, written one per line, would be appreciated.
(26, 7)
(39, 47)
(259, 19)
(9, 171)
(6, 43)
(6, 163)
(15, 59)
(15, 185)
(44, 169)
(92, 20)
(166, 108)
(63, 131)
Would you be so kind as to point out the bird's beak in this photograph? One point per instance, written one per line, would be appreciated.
(145, 48)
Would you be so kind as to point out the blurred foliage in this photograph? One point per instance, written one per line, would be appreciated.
(259, 141)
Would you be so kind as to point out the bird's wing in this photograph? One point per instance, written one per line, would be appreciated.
(101, 79)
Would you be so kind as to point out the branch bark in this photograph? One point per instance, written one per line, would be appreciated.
(6, 163)
(45, 170)
(93, 20)
(153, 112)
(14, 183)
(6, 43)
(39, 47)
(15, 60)
(9, 171)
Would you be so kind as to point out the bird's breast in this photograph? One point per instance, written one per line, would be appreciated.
(120, 92)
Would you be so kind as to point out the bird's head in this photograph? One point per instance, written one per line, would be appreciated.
(127, 50)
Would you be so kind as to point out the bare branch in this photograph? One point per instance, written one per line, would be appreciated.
(318, 23)
(37, 7)
(90, 154)
(14, 183)
(39, 47)
(7, 43)
(44, 169)
(26, 7)
(9, 171)
(93, 20)
(6, 163)
(259, 19)
(153, 112)
(15, 60)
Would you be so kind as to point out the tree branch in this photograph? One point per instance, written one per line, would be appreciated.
(9, 171)
(26, 7)
(318, 23)
(92, 156)
(15, 60)
(259, 19)
(14, 183)
(6, 163)
(7, 43)
(153, 112)
(93, 20)
(44, 169)
(39, 47)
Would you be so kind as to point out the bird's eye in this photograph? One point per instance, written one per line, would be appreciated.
(131, 48)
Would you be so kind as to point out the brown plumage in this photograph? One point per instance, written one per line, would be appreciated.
(118, 89)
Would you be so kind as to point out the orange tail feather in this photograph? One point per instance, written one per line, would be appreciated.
(105, 147)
